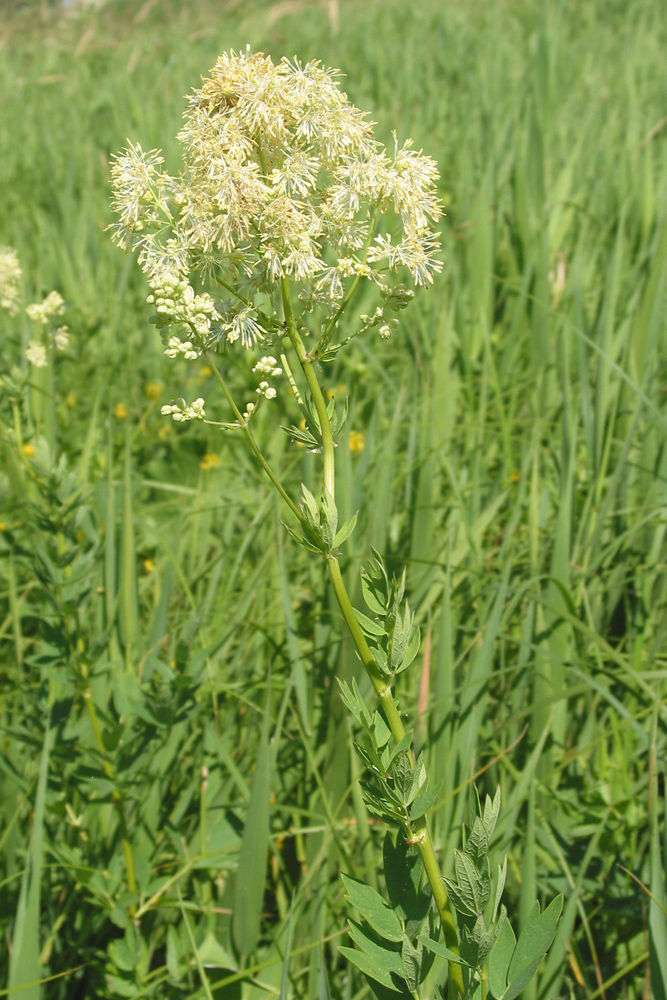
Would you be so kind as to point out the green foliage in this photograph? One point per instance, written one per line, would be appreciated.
(512, 457)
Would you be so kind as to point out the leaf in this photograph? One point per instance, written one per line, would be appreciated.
(533, 944)
(345, 531)
(300, 540)
(500, 886)
(369, 966)
(24, 965)
(404, 779)
(477, 943)
(383, 953)
(491, 813)
(369, 626)
(411, 651)
(200, 968)
(424, 799)
(254, 852)
(500, 958)
(284, 979)
(309, 507)
(381, 731)
(402, 874)
(477, 845)
(330, 519)
(441, 950)
(411, 961)
(373, 909)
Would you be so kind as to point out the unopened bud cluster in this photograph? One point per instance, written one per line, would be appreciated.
(176, 347)
(176, 303)
(181, 411)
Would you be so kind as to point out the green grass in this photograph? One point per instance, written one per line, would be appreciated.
(514, 458)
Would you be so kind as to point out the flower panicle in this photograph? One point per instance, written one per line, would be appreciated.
(283, 177)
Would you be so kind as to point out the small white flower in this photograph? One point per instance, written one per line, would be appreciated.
(61, 338)
(386, 328)
(36, 354)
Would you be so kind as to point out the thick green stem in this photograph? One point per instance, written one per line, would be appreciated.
(420, 831)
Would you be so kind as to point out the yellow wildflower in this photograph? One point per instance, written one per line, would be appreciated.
(209, 461)
(153, 390)
(149, 565)
(356, 442)
(121, 411)
(28, 449)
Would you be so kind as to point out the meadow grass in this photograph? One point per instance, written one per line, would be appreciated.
(507, 445)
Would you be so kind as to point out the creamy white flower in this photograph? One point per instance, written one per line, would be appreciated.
(36, 354)
(61, 338)
(52, 305)
(245, 327)
(283, 178)
(10, 277)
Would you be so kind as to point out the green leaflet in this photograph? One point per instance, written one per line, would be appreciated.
(373, 908)
(24, 966)
(513, 964)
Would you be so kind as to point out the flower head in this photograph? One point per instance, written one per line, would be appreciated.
(41, 312)
(36, 354)
(61, 338)
(10, 276)
(283, 178)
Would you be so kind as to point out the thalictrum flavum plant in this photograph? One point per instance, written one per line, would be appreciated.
(286, 204)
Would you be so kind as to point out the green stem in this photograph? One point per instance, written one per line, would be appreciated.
(355, 284)
(421, 834)
(420, 830)
(314, 386)
(250, 436)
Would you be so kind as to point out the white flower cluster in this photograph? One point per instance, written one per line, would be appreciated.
(10, 277)
(176, 302)
(41, 312)
(182, 411)
(36, 354)
(61, 338)
(283, 178)
(184, 347)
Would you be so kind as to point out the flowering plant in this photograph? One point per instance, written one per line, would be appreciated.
(287, 197)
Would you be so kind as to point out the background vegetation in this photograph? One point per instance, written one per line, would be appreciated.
(507, 444)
